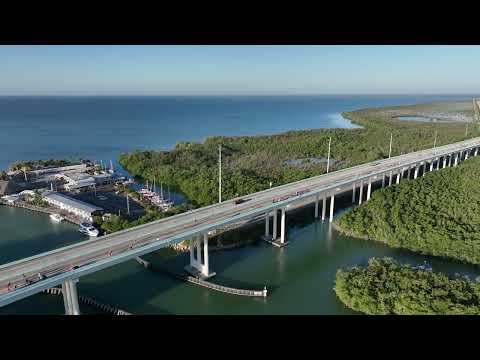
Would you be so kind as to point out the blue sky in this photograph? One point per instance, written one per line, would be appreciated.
(204, 70)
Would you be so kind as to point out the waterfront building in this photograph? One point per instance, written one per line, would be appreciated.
(12, 199)
(82, 209)
(76, 180)
(8, 187)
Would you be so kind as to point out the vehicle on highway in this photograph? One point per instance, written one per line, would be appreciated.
(240, 201)
(88, 229)
(302, 192)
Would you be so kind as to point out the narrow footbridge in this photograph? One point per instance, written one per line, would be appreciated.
(64, 266)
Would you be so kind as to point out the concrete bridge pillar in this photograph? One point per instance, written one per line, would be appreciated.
(369, 188)
(466, 153)
(324, 205)
(455, 161)
(475, 152)
(415, 173)
(332, 200)
(267, 224)
(360, 196)
(274, 232)
(438, 164)
(431, 165)
(444, 162)
(316, 207)
(192, 250)
(353, 194)
(424, 168)
(390, 178)
(199, 252)
(398, 176)
(383, 180)
(205, 267)
(408, 172)
(197, 267)
(70, 297)
(450, 160)
(282, 227)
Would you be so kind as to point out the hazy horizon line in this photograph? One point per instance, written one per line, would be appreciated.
(233, 94)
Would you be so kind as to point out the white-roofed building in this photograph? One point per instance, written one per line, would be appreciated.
(76, 180)
(71, 205)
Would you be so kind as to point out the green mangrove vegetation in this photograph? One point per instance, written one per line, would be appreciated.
(437, 214)
(387, 287)
(251, 163)
(28, 165)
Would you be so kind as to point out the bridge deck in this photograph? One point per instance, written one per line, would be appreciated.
(93, 255)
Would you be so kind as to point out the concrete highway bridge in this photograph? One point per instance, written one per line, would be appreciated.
(65, 266)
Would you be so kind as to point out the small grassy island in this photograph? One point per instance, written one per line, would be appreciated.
(437, 214)
(250, 163)
(386, 287)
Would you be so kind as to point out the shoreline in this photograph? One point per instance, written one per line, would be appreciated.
(47, 211)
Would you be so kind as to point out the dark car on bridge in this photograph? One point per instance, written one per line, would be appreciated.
(240, 201)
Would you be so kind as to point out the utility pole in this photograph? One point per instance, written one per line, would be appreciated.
(390, 150)
(328, 157)
(220, 173)
(435, 141)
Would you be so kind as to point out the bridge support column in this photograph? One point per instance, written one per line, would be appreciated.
(455, 161)
(70, 297)
(360, 196)
(431, 165)
(196, 267)
(316, 207)
(438, 164)
(466, 154)
(475, 152)
(369, 188)
(267, 224)
(390, 177)
(192, 250)
(353, 194)
(199, 252)
(324, 205)
(274, 232)
(398, 176)
(383, 180)
(424, 168)
(450, 160)
(408, 172)
(332, 200)
(282, 227)
(205, 268)
(444, 162)
(415, 173)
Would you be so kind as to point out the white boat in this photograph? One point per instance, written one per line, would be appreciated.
(56, 217)
(88, 229)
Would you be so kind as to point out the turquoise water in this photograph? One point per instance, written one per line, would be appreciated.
(299, 277)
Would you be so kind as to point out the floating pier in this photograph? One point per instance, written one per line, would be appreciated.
(89, 301)
(203, 283)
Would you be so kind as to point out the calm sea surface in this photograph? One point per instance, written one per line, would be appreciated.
(300, 277)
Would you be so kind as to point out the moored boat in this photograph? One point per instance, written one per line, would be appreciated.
(56, 217)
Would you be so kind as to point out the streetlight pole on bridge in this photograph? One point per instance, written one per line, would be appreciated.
(220, 173)
(328, 157)
(390, 150)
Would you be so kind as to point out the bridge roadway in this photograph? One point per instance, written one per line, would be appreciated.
(25, 277)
